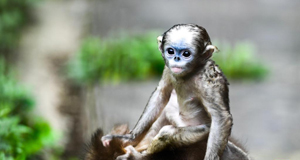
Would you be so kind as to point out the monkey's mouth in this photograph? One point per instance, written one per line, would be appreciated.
(176, 69)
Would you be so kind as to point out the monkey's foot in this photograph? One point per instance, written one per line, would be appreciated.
(158, 144)
(162, 139)
(131, 153)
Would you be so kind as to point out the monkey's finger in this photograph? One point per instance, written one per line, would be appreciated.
(105, 143)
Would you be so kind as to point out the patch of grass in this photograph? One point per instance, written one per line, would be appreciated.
(137, 58)
(115, 60)
(240, 62)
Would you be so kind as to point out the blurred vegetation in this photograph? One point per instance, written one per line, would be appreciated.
(119, 59)
(14, 14)
(22, 134)
(239, 62)
(137, 57)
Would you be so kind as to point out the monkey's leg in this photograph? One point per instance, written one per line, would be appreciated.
(172, 136)
(153, 131)
(134, 152)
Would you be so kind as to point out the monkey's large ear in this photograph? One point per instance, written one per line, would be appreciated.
(159, 41)
(209, 50)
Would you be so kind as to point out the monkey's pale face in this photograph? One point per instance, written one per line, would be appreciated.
(179, 51)
(184, 48)
(178, 56)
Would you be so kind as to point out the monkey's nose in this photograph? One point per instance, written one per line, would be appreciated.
(177, 58)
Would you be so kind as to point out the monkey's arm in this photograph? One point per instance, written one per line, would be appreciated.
(216, 102)
(154, 107)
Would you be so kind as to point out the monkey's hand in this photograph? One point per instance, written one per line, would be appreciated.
(162, 139)
(126, 139)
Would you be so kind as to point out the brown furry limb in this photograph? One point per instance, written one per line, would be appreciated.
(196, 151)
(96, 151)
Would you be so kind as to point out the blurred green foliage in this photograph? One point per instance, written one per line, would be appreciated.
(239, 62)
(22, 135)
(119, 59)
(14, 14)
(137, 57)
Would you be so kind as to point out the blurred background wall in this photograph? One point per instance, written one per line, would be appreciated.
(265, 110)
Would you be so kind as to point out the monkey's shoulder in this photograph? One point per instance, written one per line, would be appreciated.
(213, 75)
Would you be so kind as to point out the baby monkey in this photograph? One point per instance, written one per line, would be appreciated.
(190, 103)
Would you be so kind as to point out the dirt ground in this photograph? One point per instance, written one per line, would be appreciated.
(265, 113)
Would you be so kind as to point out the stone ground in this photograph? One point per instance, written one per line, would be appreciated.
(265, 113)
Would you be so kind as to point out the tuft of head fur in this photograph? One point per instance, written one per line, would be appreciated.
(190, 33)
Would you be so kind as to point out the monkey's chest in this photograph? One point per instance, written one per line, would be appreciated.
(192, 111)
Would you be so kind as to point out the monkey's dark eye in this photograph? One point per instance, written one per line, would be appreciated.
(186, 54)
(170, 51)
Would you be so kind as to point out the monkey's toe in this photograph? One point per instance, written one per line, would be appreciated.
(105, 143)
(130, 153)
